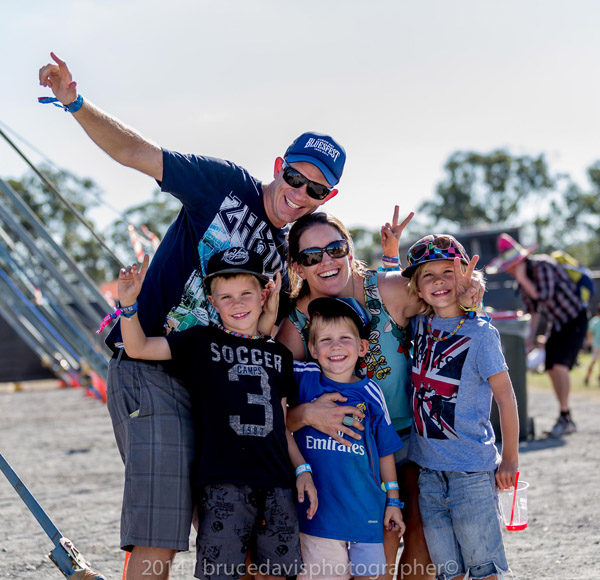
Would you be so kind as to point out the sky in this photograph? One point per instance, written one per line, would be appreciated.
(401, 85)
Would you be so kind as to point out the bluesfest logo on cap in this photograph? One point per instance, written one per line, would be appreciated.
(236, 256)
(323, 146)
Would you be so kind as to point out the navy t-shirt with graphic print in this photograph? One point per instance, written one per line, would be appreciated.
(222, 207)
(236, 385)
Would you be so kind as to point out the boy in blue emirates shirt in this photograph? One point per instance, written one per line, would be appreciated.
(358, 494)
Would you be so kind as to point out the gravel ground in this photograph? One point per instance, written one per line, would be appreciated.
(61, 444)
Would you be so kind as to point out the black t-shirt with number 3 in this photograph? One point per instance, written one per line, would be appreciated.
(236, 386)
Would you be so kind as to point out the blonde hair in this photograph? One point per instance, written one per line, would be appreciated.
(413, 282)
(318, 320)
(299, 287)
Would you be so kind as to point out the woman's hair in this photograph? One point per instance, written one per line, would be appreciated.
(413, 283)
(298, 286)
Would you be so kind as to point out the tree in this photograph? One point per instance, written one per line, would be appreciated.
(481, 189)
(157, 215)
(60, 221)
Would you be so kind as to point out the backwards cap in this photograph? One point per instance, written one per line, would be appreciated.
(349, 307)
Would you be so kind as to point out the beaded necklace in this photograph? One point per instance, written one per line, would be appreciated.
(437, 338)
(239, 334)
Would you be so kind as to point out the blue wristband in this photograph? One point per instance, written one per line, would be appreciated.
(70, 108)
(390, 485)
(303, 468)
(128, 311)
(393, 502)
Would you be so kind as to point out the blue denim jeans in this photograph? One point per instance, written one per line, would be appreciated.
(462, 523)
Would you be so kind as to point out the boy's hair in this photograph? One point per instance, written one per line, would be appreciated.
(209, 283)
(413, 282)
(319, 319)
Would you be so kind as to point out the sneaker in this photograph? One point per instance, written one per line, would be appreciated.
(563, 427)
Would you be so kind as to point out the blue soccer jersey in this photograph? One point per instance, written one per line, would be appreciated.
(351, 501)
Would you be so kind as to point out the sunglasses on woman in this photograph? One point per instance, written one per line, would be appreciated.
(314, 256)
(296, 180)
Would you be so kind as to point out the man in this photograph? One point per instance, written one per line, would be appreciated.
(546, 288)
(223, 206)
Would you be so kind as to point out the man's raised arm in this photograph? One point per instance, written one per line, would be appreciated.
(122, 143)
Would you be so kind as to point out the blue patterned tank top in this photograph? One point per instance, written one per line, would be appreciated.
(388, 359)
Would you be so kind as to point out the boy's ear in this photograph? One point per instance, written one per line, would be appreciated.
(264, 294)
(364, 347)
(210, 299)
(312, 350)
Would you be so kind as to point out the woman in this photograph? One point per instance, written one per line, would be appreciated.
(322, 264)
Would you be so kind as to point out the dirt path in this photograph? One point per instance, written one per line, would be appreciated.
(61, 444)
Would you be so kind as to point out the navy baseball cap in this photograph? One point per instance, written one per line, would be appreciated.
(235, 260)
(323, 151)
(342, 306)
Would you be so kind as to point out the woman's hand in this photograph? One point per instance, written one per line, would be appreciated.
(391, 233)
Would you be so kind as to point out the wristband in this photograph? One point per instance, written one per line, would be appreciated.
(390, 259)
(471, 312)
(126, 311)
(394, 502)
(302, 468)
(390, 485)
(70, 108)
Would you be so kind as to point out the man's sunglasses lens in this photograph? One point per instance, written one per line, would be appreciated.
(296, 180)
(313, 256)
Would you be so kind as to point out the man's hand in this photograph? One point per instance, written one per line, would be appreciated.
(468, 289)
(306, 485)
(391, 233)
(130, 282)
(58, 78)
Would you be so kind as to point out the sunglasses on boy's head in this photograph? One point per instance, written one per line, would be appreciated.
(438, 245)
(314, 256)
(296, 180)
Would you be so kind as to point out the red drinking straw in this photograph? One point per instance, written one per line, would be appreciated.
(512, 511)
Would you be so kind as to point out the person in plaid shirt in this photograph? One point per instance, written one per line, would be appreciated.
(546, 288)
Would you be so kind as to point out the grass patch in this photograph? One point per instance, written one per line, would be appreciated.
(542, 381)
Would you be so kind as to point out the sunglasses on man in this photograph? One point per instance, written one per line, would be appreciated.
(314, 256)
(296, 180)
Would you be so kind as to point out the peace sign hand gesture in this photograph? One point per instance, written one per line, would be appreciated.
(469, 288)
(391, 233)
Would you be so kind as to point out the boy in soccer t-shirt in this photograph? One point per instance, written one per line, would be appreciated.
(345, 537)
(245, 457)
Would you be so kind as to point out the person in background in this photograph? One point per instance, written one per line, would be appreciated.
(594, 340)
(546, 289)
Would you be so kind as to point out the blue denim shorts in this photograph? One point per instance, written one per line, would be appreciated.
(461, 520)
